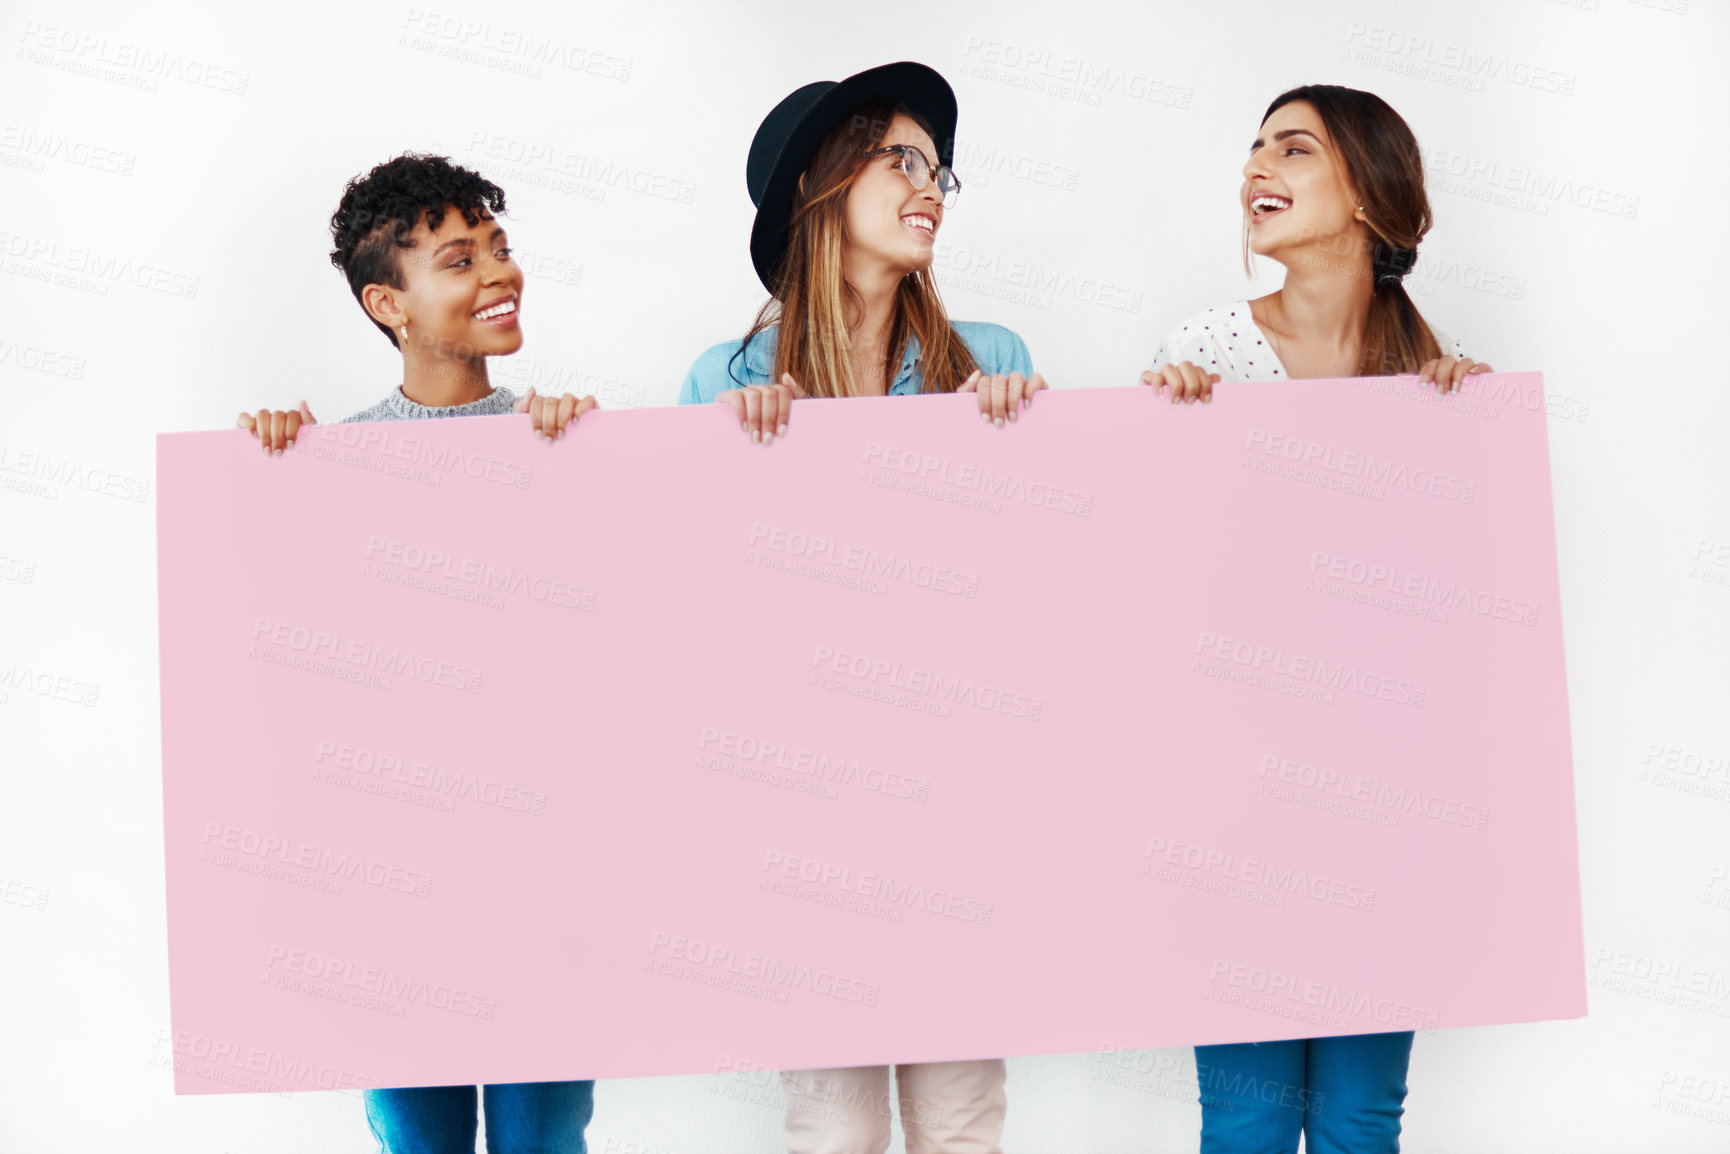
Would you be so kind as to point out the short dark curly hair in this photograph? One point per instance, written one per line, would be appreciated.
(380, 210)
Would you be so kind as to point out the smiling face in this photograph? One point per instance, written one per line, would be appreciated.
(889, 222)
(1295, 193)
(462, 290)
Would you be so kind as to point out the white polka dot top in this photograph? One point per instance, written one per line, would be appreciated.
(1226, 340)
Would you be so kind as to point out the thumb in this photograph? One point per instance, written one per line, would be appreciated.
(306, 417)
(787, 379)
(522, 405)
(971, 384)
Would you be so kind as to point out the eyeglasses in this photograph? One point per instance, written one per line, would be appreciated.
(918, 171)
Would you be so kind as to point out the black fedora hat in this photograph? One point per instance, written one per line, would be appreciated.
(790, 134)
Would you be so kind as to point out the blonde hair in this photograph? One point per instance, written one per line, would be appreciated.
(813, 306)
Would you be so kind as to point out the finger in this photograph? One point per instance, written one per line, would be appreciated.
(587, 404)
(1171, 381)
(1151, 378)
(1426, 372)
(999, 395)
(1444, 370)
(734, 399)
(306, 417)
(971, 384)
(248, 422)
(1460, 371)
(787, 379)
(1017, 388)
(1177, 376)
(292, 428)
(1481, 367)
(261, 421)
(567, 406)
(783, 406)
(1207, 395)
(1447, 371)
(769, 414)
(1191, 387)
(754, 412)
(1034, 384)
(1180, 388)
(278, 427)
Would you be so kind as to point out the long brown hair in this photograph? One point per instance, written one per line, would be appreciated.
(813, 303)
(1385, 170)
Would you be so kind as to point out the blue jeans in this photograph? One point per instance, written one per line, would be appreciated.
(1345, 1094)
(522, 1118)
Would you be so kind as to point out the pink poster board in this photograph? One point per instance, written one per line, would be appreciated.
(905, 739)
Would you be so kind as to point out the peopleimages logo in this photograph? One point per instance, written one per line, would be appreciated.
(62, 471)
(60, 686)
(364, 655)
(974, 478)
(380, 440)
(878, 887)
(1287, 990)
(338, 973)
(741, 750)
(76, 262)
(1282, 879)
(928, 682)
(726, 962)
(1397, 799)
(477, 575)
(1526, 180)
(866, 562)
(1359, 466)
(269, 1069)
(1269, 661)
(1373, 577)
(271, 850)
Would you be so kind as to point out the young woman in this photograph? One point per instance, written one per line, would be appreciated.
(851, 181)
(1334, 191)
(419, 240)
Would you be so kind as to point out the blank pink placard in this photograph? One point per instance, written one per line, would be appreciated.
(903, 739)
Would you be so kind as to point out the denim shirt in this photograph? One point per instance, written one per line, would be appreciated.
(995, 348)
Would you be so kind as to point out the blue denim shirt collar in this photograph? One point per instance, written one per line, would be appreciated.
(760, 361)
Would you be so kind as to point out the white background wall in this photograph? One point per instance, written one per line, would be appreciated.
(1605, 272)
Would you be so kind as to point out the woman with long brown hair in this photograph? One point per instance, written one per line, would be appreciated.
(851, 181)
(1334, 191)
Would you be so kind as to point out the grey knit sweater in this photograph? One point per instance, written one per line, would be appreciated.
(397, 407)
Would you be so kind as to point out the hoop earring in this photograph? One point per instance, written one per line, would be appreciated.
(404, 332)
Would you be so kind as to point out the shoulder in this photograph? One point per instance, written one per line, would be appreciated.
(1219, 321)
(1449, 345)
(1209, 327)
(723, 366)
(378, 412)
(996, 348)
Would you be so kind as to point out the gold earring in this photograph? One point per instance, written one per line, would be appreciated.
(404, 332)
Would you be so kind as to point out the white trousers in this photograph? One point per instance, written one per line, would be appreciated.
(946, 1108)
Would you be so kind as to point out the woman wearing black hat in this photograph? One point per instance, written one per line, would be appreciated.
(851, 181)
(1334, 191)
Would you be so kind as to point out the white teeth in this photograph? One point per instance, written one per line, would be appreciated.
(497, 310)
(922, 223)
(1269, 203)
